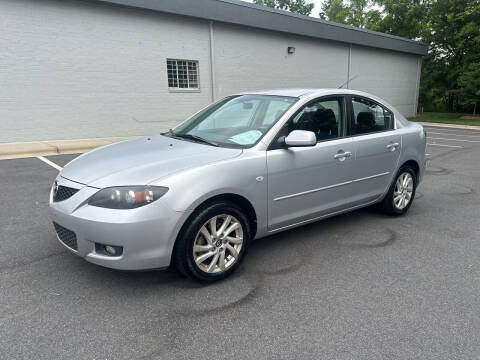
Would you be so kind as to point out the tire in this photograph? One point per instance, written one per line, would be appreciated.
(392, 204)
(193, 245)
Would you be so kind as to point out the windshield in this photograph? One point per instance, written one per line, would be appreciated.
(236, 121)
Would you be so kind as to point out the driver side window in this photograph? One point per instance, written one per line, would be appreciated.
(325, 117)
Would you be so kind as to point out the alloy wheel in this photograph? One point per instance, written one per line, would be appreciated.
(403, 191)
(218, 244)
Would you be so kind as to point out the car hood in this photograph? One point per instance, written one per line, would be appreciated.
(141, 161)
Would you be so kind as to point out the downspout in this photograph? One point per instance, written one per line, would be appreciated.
(212, 63)
(417, 86)
(349, 63)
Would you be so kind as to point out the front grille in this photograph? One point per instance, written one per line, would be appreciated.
(68, 237)
(63, 193)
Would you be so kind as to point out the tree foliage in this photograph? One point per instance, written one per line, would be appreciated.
(296, 6)
(452, 28)
(469, 92)
(354, 12)
(399, 17)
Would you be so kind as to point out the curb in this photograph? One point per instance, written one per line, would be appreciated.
(452, 126)
(53, 147)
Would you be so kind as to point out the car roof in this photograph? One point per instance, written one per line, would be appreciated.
(294, 92)
(302, 92)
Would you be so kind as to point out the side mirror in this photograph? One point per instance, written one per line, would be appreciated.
(301, 138)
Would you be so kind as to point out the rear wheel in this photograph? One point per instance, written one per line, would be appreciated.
(213, 242)
(401, 193)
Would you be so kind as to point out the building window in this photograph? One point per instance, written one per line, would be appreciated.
(182, 74)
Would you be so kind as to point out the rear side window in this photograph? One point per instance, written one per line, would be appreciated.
(369, 117)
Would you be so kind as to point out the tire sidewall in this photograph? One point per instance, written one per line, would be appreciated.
(193, 227)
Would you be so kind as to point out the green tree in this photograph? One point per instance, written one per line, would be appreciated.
(405, 18)
(469, 82)
(453, 31)
(334, 10)
(296, 6)
(355, 12)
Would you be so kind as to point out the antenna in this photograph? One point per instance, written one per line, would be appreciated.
(346, 82)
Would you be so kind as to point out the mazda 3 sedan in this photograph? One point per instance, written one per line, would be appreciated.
(245, 167)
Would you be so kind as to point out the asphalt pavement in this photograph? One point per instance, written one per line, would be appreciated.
(358, 286)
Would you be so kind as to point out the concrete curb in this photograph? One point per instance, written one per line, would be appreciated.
(52, 147)
(452, 126)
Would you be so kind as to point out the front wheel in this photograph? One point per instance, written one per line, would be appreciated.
(402, 192)
(213, 242)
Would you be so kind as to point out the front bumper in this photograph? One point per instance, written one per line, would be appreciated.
(147, 234)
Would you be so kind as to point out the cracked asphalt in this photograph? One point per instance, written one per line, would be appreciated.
(356, 286)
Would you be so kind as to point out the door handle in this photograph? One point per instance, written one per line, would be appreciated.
(393, 146)
(343, 155)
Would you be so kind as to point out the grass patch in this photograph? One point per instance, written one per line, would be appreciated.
(447, 118)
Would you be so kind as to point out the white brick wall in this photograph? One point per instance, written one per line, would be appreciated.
(247, 59)
(73, 69)
(77, 70)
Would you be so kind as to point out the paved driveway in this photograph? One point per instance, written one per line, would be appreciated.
(357, 286)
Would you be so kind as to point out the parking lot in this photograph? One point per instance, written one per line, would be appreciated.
(357, 286)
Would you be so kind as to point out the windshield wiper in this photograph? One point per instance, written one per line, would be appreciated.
(196, 138)
(191, 137)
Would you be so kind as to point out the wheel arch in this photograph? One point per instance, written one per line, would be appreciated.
(238, 200)
(414, 165)
(234, 198)
(410, 162)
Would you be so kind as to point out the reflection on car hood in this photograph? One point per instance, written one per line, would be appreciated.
(141, 161)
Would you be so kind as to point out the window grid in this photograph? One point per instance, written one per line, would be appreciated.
(182, 74)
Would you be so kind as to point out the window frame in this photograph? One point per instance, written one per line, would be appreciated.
(274, 145)
(352, 120)
(187, 89)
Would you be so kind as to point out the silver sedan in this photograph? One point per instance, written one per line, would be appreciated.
(245, 167)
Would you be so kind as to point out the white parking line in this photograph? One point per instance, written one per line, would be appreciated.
(451, 146)
(51, 163)
(471, 128)
(450, 134)
(472, 141)
(456, 131)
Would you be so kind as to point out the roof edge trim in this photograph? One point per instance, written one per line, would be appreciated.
(262, 17)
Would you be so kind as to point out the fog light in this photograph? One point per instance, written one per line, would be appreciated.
(110, 249)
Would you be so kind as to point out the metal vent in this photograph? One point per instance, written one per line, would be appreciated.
(63, 193)
(68, 237)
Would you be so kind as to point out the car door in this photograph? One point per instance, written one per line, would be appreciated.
(377, 148)
(308, 182)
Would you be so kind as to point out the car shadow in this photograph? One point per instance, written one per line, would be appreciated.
(279, 253)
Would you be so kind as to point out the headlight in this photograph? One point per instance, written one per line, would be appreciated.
(126, 197)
